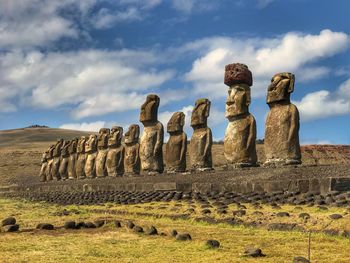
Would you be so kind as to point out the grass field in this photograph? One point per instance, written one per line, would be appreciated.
(110, 244)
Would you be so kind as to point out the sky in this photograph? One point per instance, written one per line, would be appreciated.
(90, 64)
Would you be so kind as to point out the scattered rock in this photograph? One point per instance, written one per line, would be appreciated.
(253, 252)
(137, 229)
(281, 227)
(183, 237)
(99, 223)
(282, 214)
(213, 243)
(335, 216)
(117, 223)
(331, 232)
(8, 221)
(152, 231)
(130, 225)
(300, 260)
(11, 228)
(239, 213)
(304, 215)
(89, 225)
(45, 226)
(173, 233)
(70, 225)
(206, 211)
(346, 233)
(80, 225)
(257, 213)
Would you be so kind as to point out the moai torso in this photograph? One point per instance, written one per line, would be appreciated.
(81, 158)
(42, 174)
(49, 158)
(91, 152)
(57, 159)
(176, 146)
(115, 155)
(281, 143)
(240, 135)
(72, 159)
(202, 139)
(64, 160)
(151, 143)
(132, 150)
(102, 145)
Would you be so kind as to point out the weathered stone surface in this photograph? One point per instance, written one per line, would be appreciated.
(240, 135)
(8, 221)
(56, 160)
(11, 228)
(102, 145)
(49, 163)
(91, 152)
(132, 150)
(238, 74)
(151, 144)
(183, 237)
(176, 146)
(63, 169)
(213, 243)
(81, 158)
(115, 155)
(42, 174)
(282, 123)
(253, 252)
(300, 259)
(202, 138)
(72, 159)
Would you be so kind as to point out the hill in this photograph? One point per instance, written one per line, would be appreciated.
(21, 150)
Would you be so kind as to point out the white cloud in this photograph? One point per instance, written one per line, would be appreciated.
(322, 104)
(106, 18)
(85, 126)
(92, 82)
(189, 6)
(292, 52)
(264, 3)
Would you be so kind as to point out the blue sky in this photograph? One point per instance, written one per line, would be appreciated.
(90, 64)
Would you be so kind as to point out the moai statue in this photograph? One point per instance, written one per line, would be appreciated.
(81, 158)
(282, 145)
(151, 143)
(176, 148)
(202, 138)
(56, 160)
(49, 159)
(240, 135)
(102, 145)
(132, 149)
(115, 155)
(72, 159)
(91, 153)
(42, 174)
(63, 170)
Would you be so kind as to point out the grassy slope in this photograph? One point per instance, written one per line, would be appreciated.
(108, 244)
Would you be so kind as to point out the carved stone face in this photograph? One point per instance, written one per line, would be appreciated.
(200, 113)
(132, 135)
(81, 144)
(103, 137)
(282, 85)
(115, 138)
(50, 151)
(238, 73)
(91, 143)
(73, 146)
(176, 122)
(149, 109)
(237, 101)
(65, 147)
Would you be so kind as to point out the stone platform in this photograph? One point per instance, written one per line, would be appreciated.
(322, 179)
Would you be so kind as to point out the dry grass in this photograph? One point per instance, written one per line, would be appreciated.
(108, 244)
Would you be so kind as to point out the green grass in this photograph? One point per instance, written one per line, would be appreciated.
(108, 244)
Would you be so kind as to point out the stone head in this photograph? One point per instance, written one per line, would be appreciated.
(51, 150)
(237, 73)
(103, 137)
(132, 135)
(45, 156)
(238, 101)
(149, 109)
(176, 122)
(73, 146)
(200, 113)
(81, 144)
(65, 147)
(116, 136)
(91, 144)
(282, 85)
